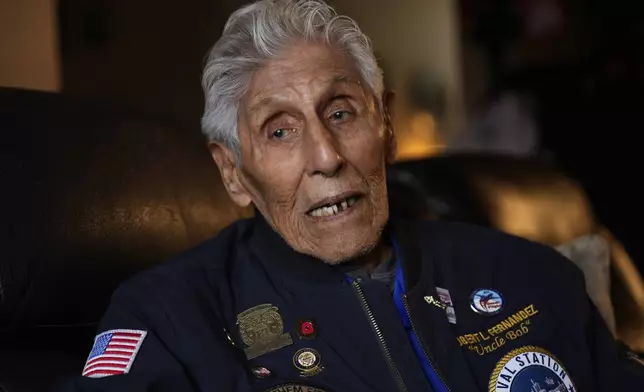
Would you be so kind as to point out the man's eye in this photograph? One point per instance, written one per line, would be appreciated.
(340, 115)
(279, 133)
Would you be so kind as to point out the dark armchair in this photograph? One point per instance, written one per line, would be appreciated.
(90, 195)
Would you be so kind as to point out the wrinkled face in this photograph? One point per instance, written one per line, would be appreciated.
(314, 147)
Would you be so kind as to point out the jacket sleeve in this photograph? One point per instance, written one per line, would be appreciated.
(612, 366)
(152, 367)
(615, 366)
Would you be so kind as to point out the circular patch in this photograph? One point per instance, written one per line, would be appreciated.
(530, 369)
(486, 301)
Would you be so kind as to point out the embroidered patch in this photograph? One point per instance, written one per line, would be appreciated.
(113, 352)
(513, 327)
(295, 388)
(530, 368)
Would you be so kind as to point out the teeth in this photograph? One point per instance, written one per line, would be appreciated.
(333, 209)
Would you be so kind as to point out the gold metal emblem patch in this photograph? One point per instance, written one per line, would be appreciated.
(262, 330)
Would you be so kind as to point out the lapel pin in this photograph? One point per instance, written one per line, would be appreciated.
(306, 329)
(230, 339)
(261, 372)
(430, 299)
(486, 302)
(307, 361)
(446, 298)
(262, 330)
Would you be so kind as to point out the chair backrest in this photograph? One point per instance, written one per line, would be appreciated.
(91, 194)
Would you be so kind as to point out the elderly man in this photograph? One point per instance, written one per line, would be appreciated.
(322, 291)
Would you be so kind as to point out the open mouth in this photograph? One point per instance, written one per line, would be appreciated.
(334, 207)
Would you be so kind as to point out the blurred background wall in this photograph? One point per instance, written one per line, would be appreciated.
(145, 54)
(418, 43)
(29, 51)
(149, 54)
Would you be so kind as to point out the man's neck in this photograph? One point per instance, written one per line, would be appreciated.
(378, 265)
(378, 255)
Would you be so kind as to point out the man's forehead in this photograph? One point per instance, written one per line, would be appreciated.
(277, 93)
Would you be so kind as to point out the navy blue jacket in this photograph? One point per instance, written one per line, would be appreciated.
(244, 312)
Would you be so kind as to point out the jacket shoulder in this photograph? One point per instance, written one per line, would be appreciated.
(211, 260)
(489, 251)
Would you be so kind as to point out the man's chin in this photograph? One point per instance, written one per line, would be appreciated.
(335, 253)
(339, 245)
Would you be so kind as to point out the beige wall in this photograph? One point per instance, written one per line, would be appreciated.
(154, 63)
(411, 34)
(152, 56)
(29, 44)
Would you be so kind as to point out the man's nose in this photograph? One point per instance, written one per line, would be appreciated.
(322, 150)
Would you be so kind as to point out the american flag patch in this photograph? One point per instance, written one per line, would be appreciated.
(113, 352)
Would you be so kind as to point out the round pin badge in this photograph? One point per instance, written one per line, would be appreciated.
(487, 302)
(306, 329)
(307, 361)
(530, 368)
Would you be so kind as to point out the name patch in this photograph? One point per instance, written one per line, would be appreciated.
(294, 388)
(530, 368)
(511, 328)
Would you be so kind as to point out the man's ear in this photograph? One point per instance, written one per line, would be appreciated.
(230, 173)
(388, 102)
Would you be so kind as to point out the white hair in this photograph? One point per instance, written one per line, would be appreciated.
(258, 32)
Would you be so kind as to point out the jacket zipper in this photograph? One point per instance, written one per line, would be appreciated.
(422, 346)
(381, 339)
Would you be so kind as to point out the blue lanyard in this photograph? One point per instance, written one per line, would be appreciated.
(399, 292)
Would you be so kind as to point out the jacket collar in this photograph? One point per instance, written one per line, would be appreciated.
(285, 264)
